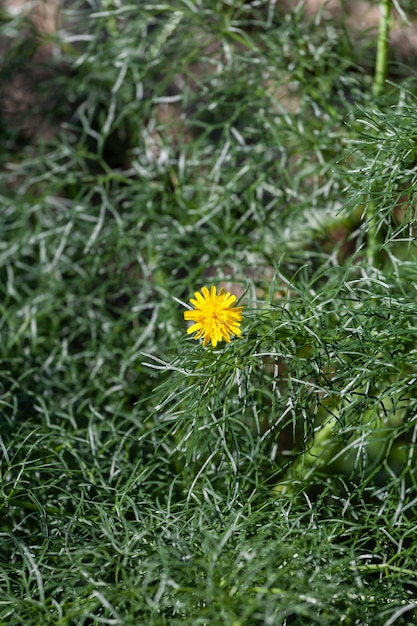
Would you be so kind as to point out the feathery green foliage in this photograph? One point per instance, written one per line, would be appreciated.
(148, 480)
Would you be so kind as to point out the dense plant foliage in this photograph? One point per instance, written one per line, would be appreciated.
(150, 149)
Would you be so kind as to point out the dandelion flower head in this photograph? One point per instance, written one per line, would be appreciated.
(215, 317)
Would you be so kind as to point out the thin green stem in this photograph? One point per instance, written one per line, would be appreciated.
(382, 48)
(377, 567)
(379, 81)
(372, 240)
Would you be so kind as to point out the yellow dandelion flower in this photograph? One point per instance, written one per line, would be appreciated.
(215, 317)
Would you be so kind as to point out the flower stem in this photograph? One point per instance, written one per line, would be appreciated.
(382, 47)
